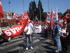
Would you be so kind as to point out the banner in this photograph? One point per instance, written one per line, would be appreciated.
(16, 30)
(12, 32)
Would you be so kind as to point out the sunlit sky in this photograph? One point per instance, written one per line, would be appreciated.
(19, 6)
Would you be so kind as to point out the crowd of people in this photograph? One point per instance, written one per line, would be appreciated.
(59, 33)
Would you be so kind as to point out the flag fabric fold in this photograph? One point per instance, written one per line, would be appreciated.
(1, 10)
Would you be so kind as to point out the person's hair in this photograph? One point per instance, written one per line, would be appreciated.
(56, 22)
(64, 23)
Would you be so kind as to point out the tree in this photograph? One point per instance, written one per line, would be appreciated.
(32, 10)
(60, 14)
(40, 10)
(44, 16)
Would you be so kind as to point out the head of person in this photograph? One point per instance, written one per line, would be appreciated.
(65, 24)
(56, 22)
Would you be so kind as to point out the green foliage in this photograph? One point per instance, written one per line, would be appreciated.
(60, 14)
(32, 10)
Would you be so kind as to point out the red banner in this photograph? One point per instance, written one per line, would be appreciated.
(16, 30)
(12, 32)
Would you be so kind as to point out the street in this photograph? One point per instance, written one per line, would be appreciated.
(17, 45)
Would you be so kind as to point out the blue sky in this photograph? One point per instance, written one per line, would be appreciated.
(19, 6)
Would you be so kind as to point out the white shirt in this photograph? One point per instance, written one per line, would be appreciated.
(29, 28)
(63, 30)
(38, 29)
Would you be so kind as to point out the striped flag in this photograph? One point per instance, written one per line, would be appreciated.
(54, 15)
(55, 18)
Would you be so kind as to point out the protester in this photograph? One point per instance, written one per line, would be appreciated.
(64, 30)
(29, 31)
(47, 31)
(56, 36)
(37, 28)
(65, 37)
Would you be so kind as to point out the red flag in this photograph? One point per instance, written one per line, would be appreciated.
(67, 16)
(52, 14)
(26, 15)
(51, 19)
(24, 18)
(15, 30)
(1, 10)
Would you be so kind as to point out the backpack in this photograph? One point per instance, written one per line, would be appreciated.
(56, 31)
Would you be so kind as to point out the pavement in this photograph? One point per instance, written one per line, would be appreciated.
(17, 45)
